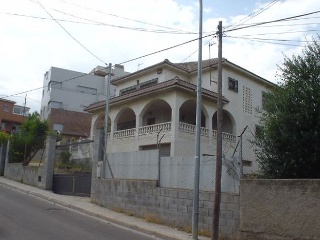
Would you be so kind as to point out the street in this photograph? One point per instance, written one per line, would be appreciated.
(23, 217)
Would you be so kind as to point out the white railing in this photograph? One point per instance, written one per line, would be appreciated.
(155, 128)
(125, 133)
(225, 136)
(190, 128)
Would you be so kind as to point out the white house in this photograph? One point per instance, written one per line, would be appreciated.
(156, 106)
(66, 93)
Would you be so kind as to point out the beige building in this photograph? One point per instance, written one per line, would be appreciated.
(66, 93)
(156, 108)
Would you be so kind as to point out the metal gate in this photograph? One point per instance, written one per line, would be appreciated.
(73, 166)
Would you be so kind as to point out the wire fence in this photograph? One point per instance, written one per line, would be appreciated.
(238, 158)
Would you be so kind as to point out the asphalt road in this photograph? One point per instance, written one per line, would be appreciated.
(24, 217)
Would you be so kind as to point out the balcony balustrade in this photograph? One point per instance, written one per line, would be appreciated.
(155, 128)
(167, 126)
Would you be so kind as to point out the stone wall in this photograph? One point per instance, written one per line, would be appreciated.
(27, 175)
(37, 176)
(280, 209)
(173, 207)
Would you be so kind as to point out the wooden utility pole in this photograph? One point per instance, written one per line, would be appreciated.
(217, 193)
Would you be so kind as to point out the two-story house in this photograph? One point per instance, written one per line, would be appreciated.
(66, 93)
(12, 115)
(156, 106)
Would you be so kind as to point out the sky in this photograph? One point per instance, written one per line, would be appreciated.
(79, 35)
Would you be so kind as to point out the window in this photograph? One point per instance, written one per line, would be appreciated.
(19, 110)
(149, 83)
(87, 90)
(138, 86)
(54, 104)
(57, 127)
(6, 108)
(247, 100)
(232, 84)
(128, 90)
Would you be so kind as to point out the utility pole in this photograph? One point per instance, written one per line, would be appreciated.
(217, 193)
(195, 216)
(24, 106)
(106, 117)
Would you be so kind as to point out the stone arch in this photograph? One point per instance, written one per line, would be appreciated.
(228, 122)
(187, 113)
(125, 119)
(99, 123)
(156, 111)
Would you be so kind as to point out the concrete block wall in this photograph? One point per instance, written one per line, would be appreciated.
(280, 209)
(24, 174)
(37, 176)
(173, 207)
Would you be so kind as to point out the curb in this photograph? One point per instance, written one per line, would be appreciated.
(90, 213)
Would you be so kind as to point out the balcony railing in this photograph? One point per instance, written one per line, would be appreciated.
(125, 133)
(225, 136)
(189, 128)
(155, 128)
(183, 127)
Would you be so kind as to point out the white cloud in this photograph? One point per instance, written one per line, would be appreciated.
(29, 46)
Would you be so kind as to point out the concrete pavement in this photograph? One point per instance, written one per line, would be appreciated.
(84, 205)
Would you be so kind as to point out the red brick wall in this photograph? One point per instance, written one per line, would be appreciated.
(75, 123)
(8, 117)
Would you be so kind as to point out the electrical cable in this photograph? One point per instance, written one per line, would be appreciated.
(71, 35)
(273, 21)
(124, 27)
(117, 16)
(251, 16)
(244, 27)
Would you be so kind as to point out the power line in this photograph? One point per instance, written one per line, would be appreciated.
(117, 16)
(96, 23)
(124, 27)
(271, 41)
(165, 49)
(251, 16)
(71, 35)
(279, 33)
(34, 89)
(273, 21)
(214, 34)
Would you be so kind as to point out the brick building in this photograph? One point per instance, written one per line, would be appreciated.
(12, 115)
(66, 93)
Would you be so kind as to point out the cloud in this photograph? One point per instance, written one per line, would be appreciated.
(30, 46)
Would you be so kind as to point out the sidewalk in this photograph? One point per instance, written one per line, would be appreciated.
(84, 205)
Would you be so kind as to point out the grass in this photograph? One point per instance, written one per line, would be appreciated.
(153, 219)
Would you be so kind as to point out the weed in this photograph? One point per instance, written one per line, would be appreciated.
(153, 219)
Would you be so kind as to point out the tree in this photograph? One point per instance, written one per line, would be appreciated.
(4, 137)
(289, 141)
(29, 140)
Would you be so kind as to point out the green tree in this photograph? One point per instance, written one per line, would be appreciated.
(4, 137)
(289, 141)
(29, 140)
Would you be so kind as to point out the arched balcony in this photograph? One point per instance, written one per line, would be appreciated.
(187, 118)
(228, 126)
(156, 117)
(125, 124)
